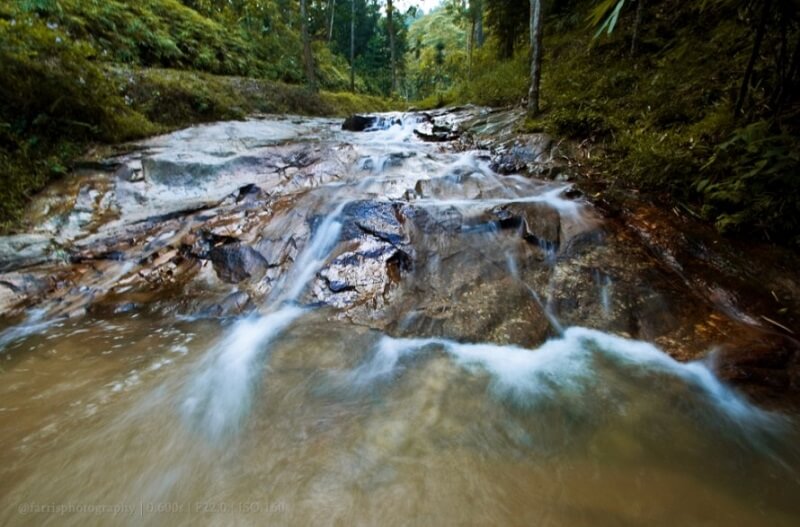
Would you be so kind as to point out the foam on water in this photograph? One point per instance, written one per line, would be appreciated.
(219, 398)
(313, 257)
(566, 367)
(221, 395)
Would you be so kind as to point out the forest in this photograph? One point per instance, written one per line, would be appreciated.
(694, 104)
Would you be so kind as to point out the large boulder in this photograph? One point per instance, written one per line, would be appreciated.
(358, 123)
(518, 155)
(235, 262)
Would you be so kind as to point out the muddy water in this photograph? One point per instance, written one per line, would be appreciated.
(311, 409)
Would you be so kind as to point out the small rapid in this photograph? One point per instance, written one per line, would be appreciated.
(374, 329)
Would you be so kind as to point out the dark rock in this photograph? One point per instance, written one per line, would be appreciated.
(358, 123)
(440, 220)
(369, 123)
(236, 262)
(540, 222)
(234, 303)
(249, 192)
(507, 164)
(377, 218)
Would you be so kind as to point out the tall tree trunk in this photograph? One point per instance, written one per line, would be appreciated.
(470, 47)
(308, 56)
(479, 37)
(390, 24)
(789, 82)
(748, 73)
(352, 45)
(536, 57)
(332, 7)
(637, 24)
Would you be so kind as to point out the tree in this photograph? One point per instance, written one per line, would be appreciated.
(759, 38)
(475, 13)
(308, 56)
(476, 8)
(636, 25)
(536, 57)
(352, 45)
(332, 9)
(392, 49)
(507, 21)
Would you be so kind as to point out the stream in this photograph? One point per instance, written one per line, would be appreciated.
(281, 322)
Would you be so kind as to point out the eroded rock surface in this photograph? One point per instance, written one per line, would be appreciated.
(427, 225)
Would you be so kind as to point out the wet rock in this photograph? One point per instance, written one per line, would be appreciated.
(130, 172)
(436, 133)
(435, 220)
(236, 262)
(382, 220)
(235, 303)
(518, 155)
(358, 123)
(25, 250)
(366, 123)
(540, 223)
(16, 288)
(126, 307)
(459, 184)
(87, 200)
(362, 275)
(173, 171)
(494, 309)
(249, 192)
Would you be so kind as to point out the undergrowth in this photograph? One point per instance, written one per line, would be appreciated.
(79, 72)
(662, 121)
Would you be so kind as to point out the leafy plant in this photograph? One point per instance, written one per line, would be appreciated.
(752, 181)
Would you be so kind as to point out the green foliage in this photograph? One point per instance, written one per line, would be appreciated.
(53, 97)
(752, 182)
(663, 122)
(76, 72)
(605, 16)
(508, 21)
(495, 83)
(372, 50)
(437, 54)
(165, 33)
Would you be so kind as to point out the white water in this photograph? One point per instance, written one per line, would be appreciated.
(566, 366)
(220, 397)
(340, 425)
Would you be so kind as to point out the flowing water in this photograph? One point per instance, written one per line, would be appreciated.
(291, 414)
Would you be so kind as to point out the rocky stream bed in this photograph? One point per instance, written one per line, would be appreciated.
(419, 315)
